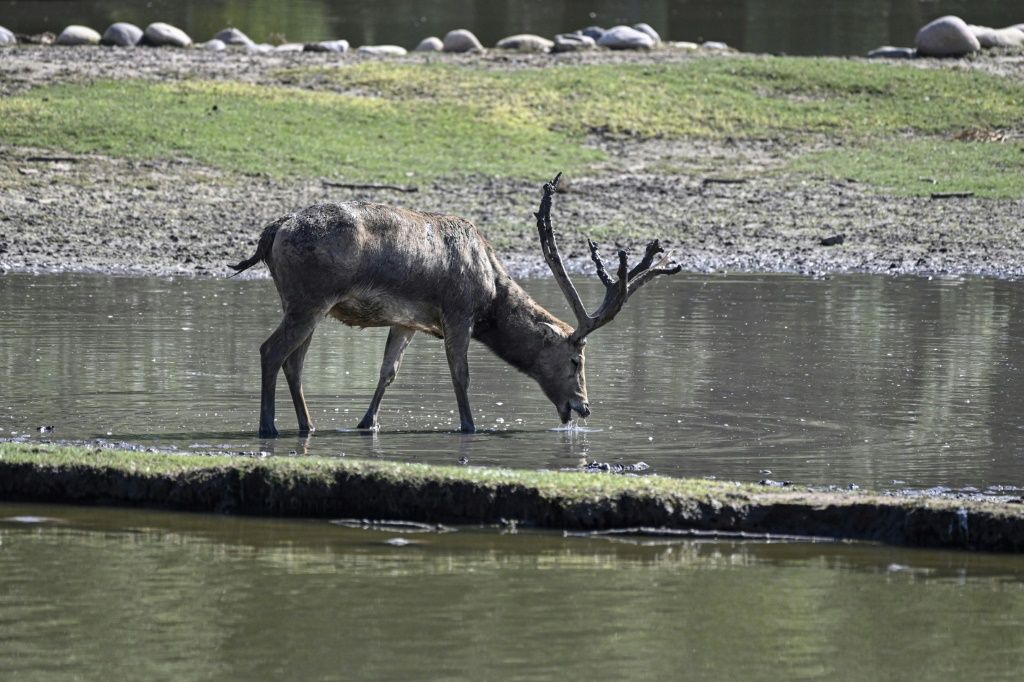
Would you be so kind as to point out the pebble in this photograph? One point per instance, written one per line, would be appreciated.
(890, 52)
(290, 47)
(947, 36)
(213, 45)
(525, 42)
(122, 34)
(430, 44)
(233, 36)
(78, 35)
(382, 50)
(625, 38)
(339, 46)
(573, 42)
(159, 34)
(461, 40)
(714, 45)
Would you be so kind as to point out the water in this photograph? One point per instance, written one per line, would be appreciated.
(102, 594)
(810, 27)
(877, 381)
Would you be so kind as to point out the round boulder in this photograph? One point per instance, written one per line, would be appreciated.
(461, 40)
(646, 28)
(947, 36)
(594, 32)
(159, 34)
(429, 44)
(122, 34)
(7, 38)
(625, 38)
(213, 45)
(525, 42)
(78, 35)
(382, 50)
(997, 37)
(233, 36)
(573, 42)
(890, 52)
(339, 46)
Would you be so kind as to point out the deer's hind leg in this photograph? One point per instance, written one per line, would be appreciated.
(294, 332)
(293, 373)
(398, 340)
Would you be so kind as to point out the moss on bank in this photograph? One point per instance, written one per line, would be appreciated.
(306, 486)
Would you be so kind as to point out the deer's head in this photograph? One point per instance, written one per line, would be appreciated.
(561, 361)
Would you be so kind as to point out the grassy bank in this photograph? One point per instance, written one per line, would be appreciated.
(363, 489)
(904, 129)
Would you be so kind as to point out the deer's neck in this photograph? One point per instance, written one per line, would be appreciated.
(514, 326)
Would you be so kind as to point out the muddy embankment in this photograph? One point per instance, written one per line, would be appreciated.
(307, 487)
(717, 204)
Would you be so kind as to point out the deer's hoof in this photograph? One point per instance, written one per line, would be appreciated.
(369, 424)
(268, 432)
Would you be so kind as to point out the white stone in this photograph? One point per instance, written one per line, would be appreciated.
(625, 38)
(646, 28)
(573, 42)
(461, 40)
(7, 38)
(78, 35)
(997, 37)
(429, 44)
(159, 34)
(122, 34)
(213, 45)
(684, 45)
(382, 50)
(339, 46)
(714, 45)
(890, 52)
(233, 36)
(290, 47)
(259, 48)
(947, 36)
(525, 42)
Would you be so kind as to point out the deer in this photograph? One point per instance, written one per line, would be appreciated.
(373, 265)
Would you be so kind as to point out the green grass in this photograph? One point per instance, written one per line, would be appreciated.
(886, 124)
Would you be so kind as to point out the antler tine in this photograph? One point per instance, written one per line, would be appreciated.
(644, 273)
(551, 255)
(599, 264)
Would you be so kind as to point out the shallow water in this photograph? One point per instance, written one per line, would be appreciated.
(867, 380)
(808, 27)
(102, 594)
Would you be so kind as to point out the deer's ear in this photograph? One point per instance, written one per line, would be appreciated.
(552, 331)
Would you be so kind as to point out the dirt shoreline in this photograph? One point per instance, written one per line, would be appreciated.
(724, 206)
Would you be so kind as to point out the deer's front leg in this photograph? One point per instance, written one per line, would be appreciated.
(456, 346)
(398, 341)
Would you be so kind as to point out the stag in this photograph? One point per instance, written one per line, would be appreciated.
(370, 265)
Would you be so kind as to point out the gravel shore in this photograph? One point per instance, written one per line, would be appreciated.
(724, 205)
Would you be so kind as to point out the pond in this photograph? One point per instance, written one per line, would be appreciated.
(801, 27)
(106, 594)
(881, 382)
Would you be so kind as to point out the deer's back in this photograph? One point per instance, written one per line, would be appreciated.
(383, 265)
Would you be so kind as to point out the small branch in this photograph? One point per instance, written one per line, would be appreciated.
(52, 159)
(356, 185)
(723, 181)
(952, 195)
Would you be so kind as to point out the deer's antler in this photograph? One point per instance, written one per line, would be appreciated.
(617, 291)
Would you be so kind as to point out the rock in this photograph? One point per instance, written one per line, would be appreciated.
(646, 28)
(382, 50)
(714, 45)
(260, 48)
(290, 47)
(122, 34)
(339, 46)
(461, 40)
(594, 32)
(7, 38)
(233, 36)
(525, 42)
(78, 35)
(947, 36)
(159, 34)
(684, 45)
(213, 45)
(997, 37)
(45, 38)
(429, 44)
(625, 38)
(890, 52)
(834, 240)
(573, 42)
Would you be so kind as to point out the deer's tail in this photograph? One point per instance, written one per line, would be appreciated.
(263, 248)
